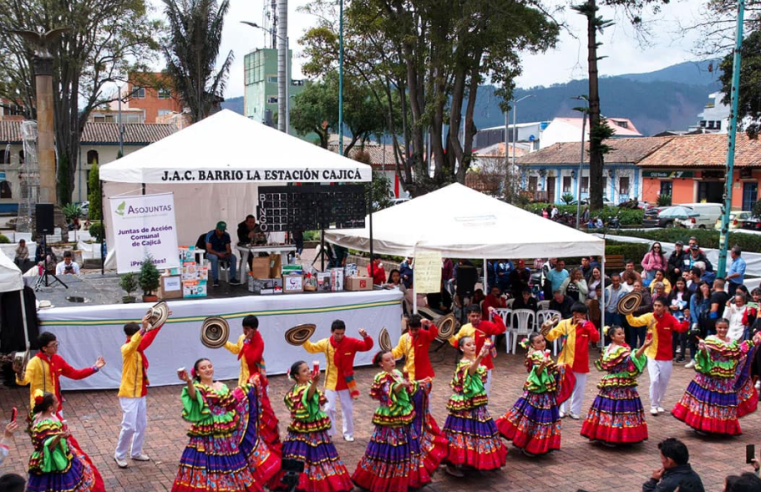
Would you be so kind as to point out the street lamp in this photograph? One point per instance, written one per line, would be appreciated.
(283, 106)
(515, 129)
(584, 112)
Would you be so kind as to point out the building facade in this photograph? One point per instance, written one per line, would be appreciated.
(260, 99)
(715, 115)
(569, 130)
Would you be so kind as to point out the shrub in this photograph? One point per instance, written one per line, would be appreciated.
(96, 212)
(128, 282)
(4, 239)
(664, 200)
(706, 238)
(149, 276)
(97, 231)
(627, 217)
(567, 198)
(71, 211)
(757, 209)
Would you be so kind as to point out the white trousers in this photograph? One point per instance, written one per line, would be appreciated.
(660, 374)
(577, 397)
(134, 422)
(487, 386)
(347, 410)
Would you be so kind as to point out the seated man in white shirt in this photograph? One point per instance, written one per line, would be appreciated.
(67, 266)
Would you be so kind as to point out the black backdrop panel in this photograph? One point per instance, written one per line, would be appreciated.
(305, 208)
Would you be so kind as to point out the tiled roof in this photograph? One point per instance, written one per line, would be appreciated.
(624, 150)
(706, 150)
(375, 150)
(99, 133)
(618, 130)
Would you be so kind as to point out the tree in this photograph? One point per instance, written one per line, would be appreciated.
(315, 109)
(108, 39)
(94, 196)
(425, 60)
(191, 51)
(749, 93)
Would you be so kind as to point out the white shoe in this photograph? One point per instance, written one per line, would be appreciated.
(141, 457)
(661, 410)
(121, 462)
(758, 385)
(679, 350)
(348, 438)
(562, 414)
(690, 365)
(654, 411)
(573, 416)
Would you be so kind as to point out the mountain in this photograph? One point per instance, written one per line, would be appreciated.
(692, 73)
(233, 104)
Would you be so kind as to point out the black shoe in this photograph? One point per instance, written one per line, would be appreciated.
(680, 359)
(216, 283)
(235, 281)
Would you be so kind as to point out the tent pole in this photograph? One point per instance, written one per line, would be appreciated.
(372, 265)
(486, 285)
(414, 294)
(602, 304)
(23, 317)
(322, 249)
(103, 228)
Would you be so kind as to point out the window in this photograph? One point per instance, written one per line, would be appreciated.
(718, 125)
(298, 83)
(566, 184)
(623, 185)
(138, 93)
(272, 80)
(5, 190)
(165, 93)
(20, 156)
(703, 124)
(272, 100)
(12, 110)
(666, 187)
(92, 156)
(604, 186)
(585, 184)
(532, 183)
(5, 157)
(162, 112)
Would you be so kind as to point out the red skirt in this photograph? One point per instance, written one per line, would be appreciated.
(533, 424)
(709, 405)
(616, 417)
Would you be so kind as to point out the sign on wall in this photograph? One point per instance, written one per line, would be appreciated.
(144, 226)
(427, 277)
(668, 174)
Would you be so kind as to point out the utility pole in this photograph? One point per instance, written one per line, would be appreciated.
(341, 77)
(584, 112)
(282, 65)
(724, 235)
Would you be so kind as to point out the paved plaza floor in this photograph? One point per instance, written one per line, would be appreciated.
(94, 418)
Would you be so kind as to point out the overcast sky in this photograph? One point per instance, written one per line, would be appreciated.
(666, 45)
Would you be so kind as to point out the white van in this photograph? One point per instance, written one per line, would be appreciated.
(709, 213)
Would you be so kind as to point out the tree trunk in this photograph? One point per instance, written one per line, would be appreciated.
(596, 162)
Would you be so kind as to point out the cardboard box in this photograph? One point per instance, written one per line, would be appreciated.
(292, 269)
(323, 281)
(260, 267)
(350, 270)
(336, 279)
(293, 284)
(275, 266)
(359, 283)
(265, 286)
(189, 271)
(194, 288)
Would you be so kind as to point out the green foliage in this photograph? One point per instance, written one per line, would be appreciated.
(128, 282)
(149, 276)
(567, 198)
(380, 189)
(63, 181)
(627, 217)
(311, 235)
(627, 250)
(97, 231)
(315, 109)
(4, 239)
(664, 200)
(707, 238)
(757, 209)
(191, 52)
(96, 206)
(71, 211)
(749, 92)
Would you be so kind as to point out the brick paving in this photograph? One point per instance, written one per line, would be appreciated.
(94, 418)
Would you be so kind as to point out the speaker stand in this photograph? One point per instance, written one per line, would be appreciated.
(45, 277)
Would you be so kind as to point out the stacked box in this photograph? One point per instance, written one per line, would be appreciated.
(293, 284)
(359, 283)
(194, 275)
(336, 279)
(323, 281)
(265, 286)
(350, 270)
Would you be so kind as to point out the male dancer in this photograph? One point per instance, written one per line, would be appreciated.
(413, 346)
(133, 391)
(44, 370)
(579, 334)
(661, 325)
(249, 349)
(480, 331)
(339, 351)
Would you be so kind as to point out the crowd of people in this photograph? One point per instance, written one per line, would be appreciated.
(234, 439)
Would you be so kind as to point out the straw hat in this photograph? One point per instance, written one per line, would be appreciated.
(384, 340)
(300, 334)
(215, 332)
(447, 326)
(629, 302)
(158, 314)
(21, 359)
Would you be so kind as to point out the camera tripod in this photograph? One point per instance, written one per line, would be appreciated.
(45, 277)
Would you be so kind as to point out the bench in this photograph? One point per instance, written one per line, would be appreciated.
(614, 263)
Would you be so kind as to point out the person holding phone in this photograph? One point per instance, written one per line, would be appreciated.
(68, 266)
(308, 438)
(710, 403)
(7, 437)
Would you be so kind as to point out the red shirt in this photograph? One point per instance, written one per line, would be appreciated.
(144, 344)
(485, 329)
(491, 301)
(344, 357)
(253, 349)
(421, 342)
(378, 274)
(59, 367)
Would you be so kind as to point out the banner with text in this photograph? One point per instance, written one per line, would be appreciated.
(144, 226)
(427, 270)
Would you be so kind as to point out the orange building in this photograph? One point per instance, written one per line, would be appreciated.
(151, 92)
(692, 168)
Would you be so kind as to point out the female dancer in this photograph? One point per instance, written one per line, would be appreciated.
(473, 437)
(678, 301)
(55, 465)
(213, 459)
(533, 424)
(617, 415)
(393, 460)
(710, 403)
(308, 440)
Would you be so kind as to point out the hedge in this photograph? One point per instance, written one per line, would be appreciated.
(626, 216)
(632, 251)
(706, 238)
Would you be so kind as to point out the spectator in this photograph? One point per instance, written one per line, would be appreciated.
(736, 274)
(593, 305)
(339, 256)
(22, 255)
(628, 279)
(659, 292)
(629, 268)
(676, 262)
(719, 300)
(660, 276)
(554, 212)
(67, 266)
(545, 269)
(6, 440)
(705, 275)
(494, 299)
(696, 254)
(613, 294)
(637, 334)
(250, 233)
(594, 281)
(218, 248)
(405, 270)
(678, 300)
(586, 268)
(593, 262)
(747, 482)
(562, 303)
(376, 271)
(502, 270)
(447, 272)
(695, 274)
(557, 275)
(10, 482)
(654, 260)
(526, 301)
(700, 309)
(395, 282)
(575, 287)
(736, 315)
(675, 469)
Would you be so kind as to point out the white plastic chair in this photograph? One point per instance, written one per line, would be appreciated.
(543, 305)
(509, 303)
(504, 313)
(524, 324)
(543, 316)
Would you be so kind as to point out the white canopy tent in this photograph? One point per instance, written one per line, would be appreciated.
(214, 168)
(12, 280)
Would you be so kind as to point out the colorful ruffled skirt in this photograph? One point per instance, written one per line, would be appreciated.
(474, 440)
(323, 469)
(79, 477)
(747, 399)
(433, 444)
(709, 405)
(533, 424)
(391, 462)
(263, 461)
(616, 417)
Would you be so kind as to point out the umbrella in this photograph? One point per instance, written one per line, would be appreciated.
(678, 213)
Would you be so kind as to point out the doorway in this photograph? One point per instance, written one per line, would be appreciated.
(750, 195)
(711, 191)
(551, 189)
(667, 188)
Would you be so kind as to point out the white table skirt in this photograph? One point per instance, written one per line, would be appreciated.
(85, 333)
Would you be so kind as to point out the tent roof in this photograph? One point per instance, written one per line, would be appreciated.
(10, 275)
(229, 148)
(463, 223)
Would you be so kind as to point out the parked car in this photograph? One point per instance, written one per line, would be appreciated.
(397, 201)
(651, 217)
(736, 220)
(707, 213)
(84, 207)
(672, 216)
(752, 223)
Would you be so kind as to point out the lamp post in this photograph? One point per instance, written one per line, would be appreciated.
(285, 85)
(515, 129)
(121, 128)
(584, 111)
(341, 80)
